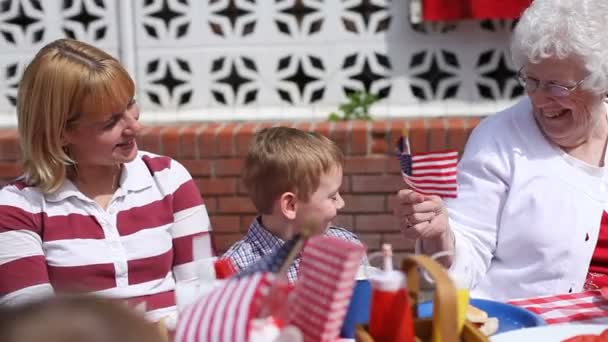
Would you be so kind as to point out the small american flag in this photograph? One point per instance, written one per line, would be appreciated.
(324, 288)
(432, 173)
(224, 315)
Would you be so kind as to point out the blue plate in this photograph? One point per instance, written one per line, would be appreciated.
(510, 317)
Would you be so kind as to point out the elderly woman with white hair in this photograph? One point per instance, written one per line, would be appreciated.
(530, 218)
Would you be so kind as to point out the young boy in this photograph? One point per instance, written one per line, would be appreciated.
(293, 178)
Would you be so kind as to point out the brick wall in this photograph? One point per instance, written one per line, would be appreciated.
(213, 153)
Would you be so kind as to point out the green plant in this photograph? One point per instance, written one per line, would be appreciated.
(357, 107)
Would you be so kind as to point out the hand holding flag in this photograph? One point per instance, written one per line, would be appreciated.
(432, 173)
(429, 176)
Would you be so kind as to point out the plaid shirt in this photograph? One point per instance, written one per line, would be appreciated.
(259, 242)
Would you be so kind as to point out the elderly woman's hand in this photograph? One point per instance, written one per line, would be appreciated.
(421, 216)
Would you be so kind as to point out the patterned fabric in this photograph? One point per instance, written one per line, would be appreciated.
(597, 277)
(322, 295)
(272, 262)
(135, 249)
(259, 242)
(224, 315)
(583, 307)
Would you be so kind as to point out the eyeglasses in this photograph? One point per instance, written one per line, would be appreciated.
(531, 84)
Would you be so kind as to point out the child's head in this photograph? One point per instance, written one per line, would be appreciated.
(76, 318)
(296, 174)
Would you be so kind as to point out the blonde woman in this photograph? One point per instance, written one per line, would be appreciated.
(92, 213)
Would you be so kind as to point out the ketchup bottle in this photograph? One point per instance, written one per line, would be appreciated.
(390, 314)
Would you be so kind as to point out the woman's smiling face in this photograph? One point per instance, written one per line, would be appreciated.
(107, 140)
(567, 121)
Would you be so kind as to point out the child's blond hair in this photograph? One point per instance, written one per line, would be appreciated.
(284, 159)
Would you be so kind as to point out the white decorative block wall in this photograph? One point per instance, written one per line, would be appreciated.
(271, 59)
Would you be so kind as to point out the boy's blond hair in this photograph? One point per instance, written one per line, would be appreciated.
(284, 159)
(67, 79)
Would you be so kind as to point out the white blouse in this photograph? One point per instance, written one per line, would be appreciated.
(527, 216)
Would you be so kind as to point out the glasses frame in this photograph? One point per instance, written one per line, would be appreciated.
(554, 89)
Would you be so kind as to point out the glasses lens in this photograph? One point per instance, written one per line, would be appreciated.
(557, 90)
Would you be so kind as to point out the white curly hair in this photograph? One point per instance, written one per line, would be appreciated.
(565, 28)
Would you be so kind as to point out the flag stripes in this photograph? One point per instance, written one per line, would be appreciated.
(429, 173)
(324, 288)
(224, 314)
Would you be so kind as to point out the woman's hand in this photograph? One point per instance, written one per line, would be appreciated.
(421, 216)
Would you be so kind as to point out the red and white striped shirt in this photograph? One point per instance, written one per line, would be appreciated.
(135, 249)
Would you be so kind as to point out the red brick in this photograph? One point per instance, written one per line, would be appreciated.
(372, 241)
(376, 223)
(417, 135)
(397, 129)
(169, 137)
(268, 124)
(207, 141)
(10, 170)
(324, 128)
(200, 167)
(222, 242)
(9, 145)
(393, 167)
(457, 137)
(345, 187)
(339, 135)
(188, 138)
(376, 184)
(243, 138)
(364, 204)
(379, 146)
(210, 205)
(227, 167)
(380, 127)
(149, 139)
(217, 186)
(303, 126)
(237, 205)
(380, 137)
(367, 164)
(225, 224)
(345, 221)
(360, 134)
(240, 187)
(437, 134)
(225, 140)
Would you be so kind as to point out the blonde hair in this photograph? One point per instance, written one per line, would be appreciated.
(283, 159)
(67, 79)
(76, 318)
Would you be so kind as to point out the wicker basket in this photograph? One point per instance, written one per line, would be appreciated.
(446, 297)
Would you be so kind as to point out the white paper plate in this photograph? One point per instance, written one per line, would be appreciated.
(549, 332)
